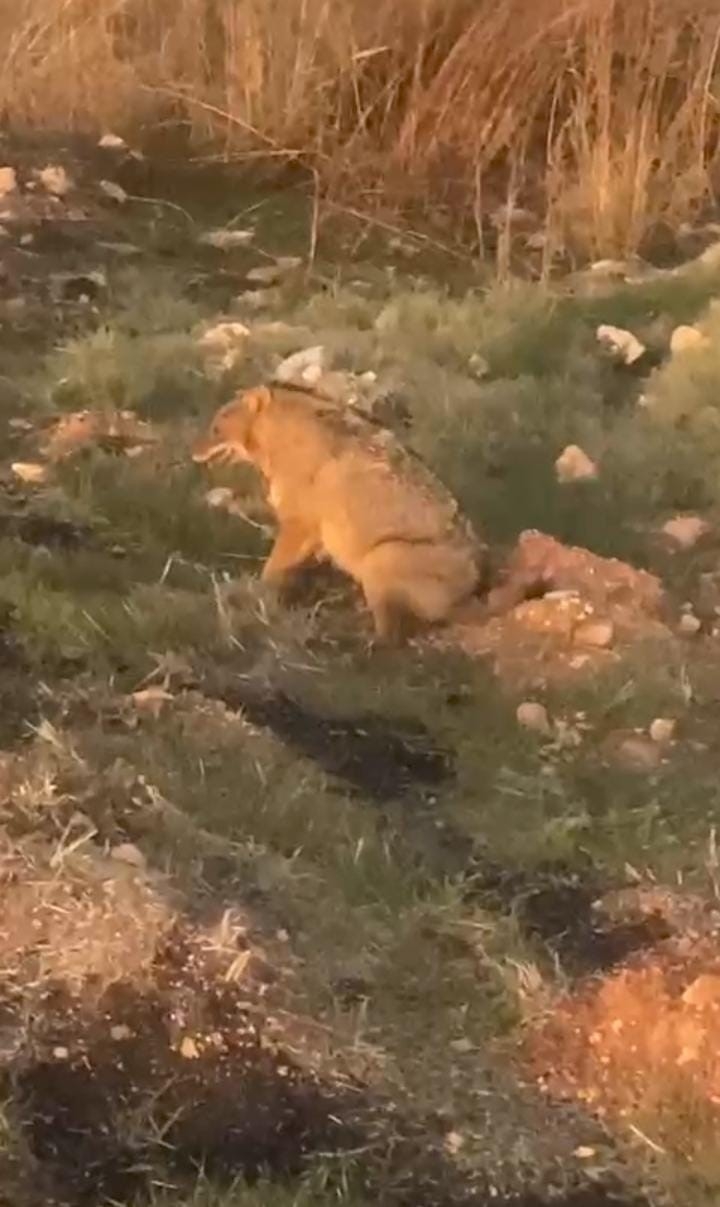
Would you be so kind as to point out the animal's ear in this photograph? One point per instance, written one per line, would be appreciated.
(257, 400)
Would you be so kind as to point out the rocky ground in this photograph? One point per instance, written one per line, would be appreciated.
(286, 920)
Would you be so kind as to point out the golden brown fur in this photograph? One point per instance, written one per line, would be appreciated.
(344, 490)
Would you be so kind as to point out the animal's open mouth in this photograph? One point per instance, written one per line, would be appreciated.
(218, 454)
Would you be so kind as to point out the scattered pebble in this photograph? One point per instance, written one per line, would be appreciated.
(8, 181)
(30, 471)
(453, 1142)
(112, 142)
(478, 366)
(61, 1053)
(188, 1048)
(690, 624)
(621, 343)
(219, 496)
(226, 240)
(113, 190)
(685, 530)
(120, 1031)
(55, 180)
(584, 1152)
(610, 268)
(127, 852)
(225, 342)
(596, 633)
(574, 465)
(305, 367)
(534, 716)
(662, 729)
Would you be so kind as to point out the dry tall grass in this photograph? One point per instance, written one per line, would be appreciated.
(605, 112)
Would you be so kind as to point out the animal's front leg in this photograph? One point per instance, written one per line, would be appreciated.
(294, 545)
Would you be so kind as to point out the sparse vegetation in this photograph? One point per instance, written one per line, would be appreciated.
(280, 909)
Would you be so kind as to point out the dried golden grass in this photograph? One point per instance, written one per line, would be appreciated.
(603, 111)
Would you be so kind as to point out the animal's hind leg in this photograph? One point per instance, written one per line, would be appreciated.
(390, 618)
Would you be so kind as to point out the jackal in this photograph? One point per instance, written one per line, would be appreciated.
(344, 489)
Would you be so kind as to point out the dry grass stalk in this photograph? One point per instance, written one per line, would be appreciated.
(603, 112)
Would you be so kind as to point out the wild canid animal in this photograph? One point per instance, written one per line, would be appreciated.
(341, 488)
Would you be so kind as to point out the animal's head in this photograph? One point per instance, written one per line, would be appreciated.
(231, 436)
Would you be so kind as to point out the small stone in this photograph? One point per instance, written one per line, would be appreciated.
(596, 633)
(584, 1152)
(225, 342)
(662, 729)
(453, 1142)
(127, 852)
(226, 240)
(574, 465)
(114, 191)
(534, 716)
(219, 496)
(8, 181)
(685, 530)
(610, 268)
(305, 367)
(61, 1053)
(55, 180)
(112, 142)
(690, 624)
(686, 339)
(478, 366)
(120, 1031)
(30, 471)
(188, 1048)
(623, 344)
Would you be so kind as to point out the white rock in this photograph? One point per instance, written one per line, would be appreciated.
(685, 530)
(623, 344)
(598, 634)
(662, 729)
(690, 624)
(610, 268)
(534, 716)
(55, 180)
(120, 1031)
(226, 240)
(478, 365)
(219, 496)
(574, 465)
(127, 852)
(224, 335)
(224, 344)
(8, 181)
(685, 339)
(29, 471)
(114, 191)
(112, 142)
(303, 368)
